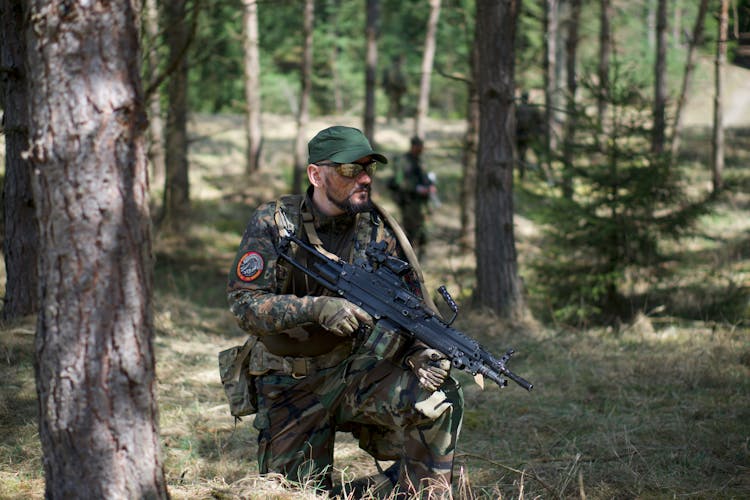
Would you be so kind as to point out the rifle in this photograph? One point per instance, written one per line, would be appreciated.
(376, 286)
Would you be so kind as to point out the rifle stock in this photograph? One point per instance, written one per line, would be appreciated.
(376, 286)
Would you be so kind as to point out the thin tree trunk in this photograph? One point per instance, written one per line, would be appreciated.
(660, 80)
(21, 234)
(571, 46)
(605, 50)
(371, 63)
(338, 101)
(303, 113)
(551, 18)
(695, 40)
(177, 183)
(717, 158)
(95, 377)
(469, 159)
(253, 131)
(423, 104)
(498, 283)
(155, 121)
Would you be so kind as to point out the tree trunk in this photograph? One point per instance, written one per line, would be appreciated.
(571, 46)
(177, 184)
(717, 143)
(335, 50)
(660, 79)
(423, 104)
(605, 50)
(371, 29)
(252, 87)
(303, 113)
(20, 234)
(551, 18)
(155, 121)
(95, 378)
(498, 283)
(469, 160)
(695, 40)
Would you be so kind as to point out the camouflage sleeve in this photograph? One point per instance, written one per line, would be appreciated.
(255, 281)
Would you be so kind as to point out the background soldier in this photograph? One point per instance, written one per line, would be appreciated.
(313, 376)
(412, 189)
(529, 131)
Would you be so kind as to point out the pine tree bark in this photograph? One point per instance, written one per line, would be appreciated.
(689, 67)
(253, 132)
(498, 283)
(176, 207)
(95, 378)
(20, 232)
(372, 23)
(660, 80)
(428, 58)
(303, 113)
(717, 143)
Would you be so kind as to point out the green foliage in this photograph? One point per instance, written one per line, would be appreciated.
(627, 200)
(216, 55)
(216, 75)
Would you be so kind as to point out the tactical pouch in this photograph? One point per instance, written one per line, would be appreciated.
(385, 341)
(238, 383)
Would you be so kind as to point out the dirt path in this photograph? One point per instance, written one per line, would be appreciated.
(738, 112)
(699, 110)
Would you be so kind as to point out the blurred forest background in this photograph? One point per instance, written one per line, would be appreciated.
(629, 295)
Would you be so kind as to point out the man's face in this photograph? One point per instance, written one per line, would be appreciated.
(350, 194)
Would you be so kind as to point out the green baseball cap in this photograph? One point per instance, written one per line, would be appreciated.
(341, 145)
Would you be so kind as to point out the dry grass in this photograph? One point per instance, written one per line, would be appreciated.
(658, 408)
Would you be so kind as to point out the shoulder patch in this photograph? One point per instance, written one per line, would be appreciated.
(250, 266)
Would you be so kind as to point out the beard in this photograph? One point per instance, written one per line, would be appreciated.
(348, 205)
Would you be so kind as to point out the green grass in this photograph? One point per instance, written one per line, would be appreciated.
(658, 408)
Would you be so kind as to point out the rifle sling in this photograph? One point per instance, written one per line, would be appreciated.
(403, 241)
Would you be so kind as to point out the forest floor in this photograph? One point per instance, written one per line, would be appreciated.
(658, 407)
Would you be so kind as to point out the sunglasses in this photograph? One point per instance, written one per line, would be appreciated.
(352, 170)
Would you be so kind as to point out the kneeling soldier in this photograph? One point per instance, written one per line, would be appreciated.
(316, 370)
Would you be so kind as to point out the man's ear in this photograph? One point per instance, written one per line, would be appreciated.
(315, 175)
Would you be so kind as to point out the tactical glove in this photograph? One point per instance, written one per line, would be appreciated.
(339, 316)
(431, 368)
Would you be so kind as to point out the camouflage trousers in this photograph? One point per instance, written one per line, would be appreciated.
(379, 401)
(413, 221)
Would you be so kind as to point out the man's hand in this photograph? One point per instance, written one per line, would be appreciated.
(431, 368)
(339, 316)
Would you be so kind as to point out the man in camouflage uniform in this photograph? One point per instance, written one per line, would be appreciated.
(529, 131)
(313, 375)
(412, 191)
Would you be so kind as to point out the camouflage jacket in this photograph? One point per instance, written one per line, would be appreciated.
(263, 293)
(408, 176)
